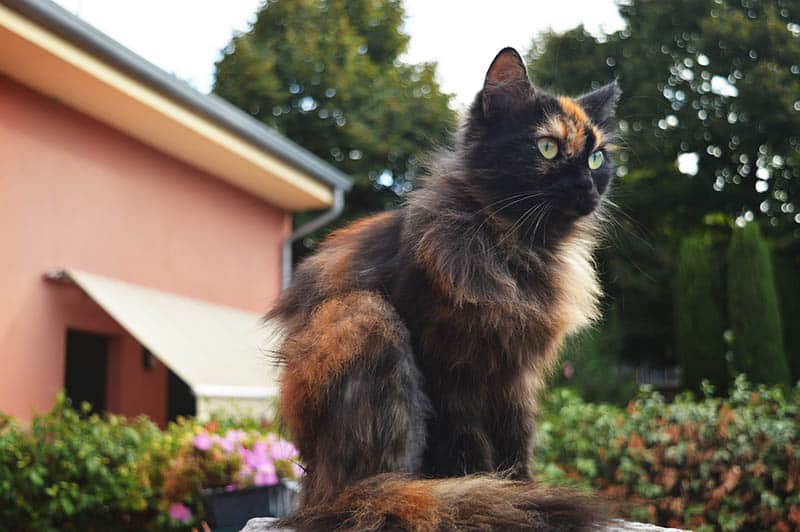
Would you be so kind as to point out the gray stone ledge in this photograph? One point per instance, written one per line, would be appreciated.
(264, 524)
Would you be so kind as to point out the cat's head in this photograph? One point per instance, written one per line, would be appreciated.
(531, 151)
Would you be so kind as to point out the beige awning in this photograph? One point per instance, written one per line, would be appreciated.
(220, 352)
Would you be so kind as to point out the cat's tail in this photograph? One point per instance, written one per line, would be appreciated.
(478, 502)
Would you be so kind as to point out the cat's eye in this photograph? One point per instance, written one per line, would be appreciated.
(596, 160)
(547, 147)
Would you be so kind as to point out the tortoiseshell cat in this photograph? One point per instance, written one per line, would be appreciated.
(416, 340)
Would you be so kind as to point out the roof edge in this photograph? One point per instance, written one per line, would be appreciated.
(87, 37)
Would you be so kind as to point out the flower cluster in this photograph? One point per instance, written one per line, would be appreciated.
(264, 458)
(233, 460)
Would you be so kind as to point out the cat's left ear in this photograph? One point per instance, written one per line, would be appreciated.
(506, 83)
(601, 103)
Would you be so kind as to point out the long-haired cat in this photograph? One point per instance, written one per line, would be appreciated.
(416, 340)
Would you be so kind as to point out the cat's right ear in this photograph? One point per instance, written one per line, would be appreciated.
(506, 84)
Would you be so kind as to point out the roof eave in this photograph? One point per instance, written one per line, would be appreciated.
(86, 37)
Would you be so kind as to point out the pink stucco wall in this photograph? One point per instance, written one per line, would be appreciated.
(77, 194)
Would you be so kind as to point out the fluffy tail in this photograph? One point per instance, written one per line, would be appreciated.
(479, 502)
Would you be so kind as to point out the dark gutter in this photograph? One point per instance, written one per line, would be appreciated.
(88, 38)
(307, 228)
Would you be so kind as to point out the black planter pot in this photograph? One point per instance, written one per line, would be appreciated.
(230, 510)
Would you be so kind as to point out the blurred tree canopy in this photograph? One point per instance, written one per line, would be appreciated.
(326, 74)
(714, 84)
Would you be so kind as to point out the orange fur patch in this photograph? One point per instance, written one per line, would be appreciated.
(341, 331)
(577, 124)
(336, 255)
(573, 110)
(413, 502)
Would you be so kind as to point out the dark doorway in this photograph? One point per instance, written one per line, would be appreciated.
(85, 374)
(180, 399)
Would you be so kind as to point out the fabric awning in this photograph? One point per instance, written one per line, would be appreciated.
(220, 352)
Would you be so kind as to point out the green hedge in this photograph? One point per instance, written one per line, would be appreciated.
(710, 464)
(753, 309)
(728, 464)
(787, 281)
(74, 471)
(698, 317)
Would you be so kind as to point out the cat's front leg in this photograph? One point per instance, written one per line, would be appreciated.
(458, 442)
(512, 441)
(512, 426)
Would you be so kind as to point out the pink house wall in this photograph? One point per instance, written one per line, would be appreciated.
(77, 194)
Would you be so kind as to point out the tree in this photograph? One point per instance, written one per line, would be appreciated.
(754, 310)
(787, 281)
(326, 73)
(698, 316)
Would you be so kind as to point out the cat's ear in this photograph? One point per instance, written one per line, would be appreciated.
(506, 82)
(601, 103)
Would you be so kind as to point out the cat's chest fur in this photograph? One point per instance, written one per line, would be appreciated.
(522, 322)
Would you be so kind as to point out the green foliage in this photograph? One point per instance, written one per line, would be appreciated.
(591, 364)
(74, 471)
(327, 75)
(698, 316)
(753, 309)
(787, 280)
(712, 464)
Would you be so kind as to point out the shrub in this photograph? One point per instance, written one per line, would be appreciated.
(713, 464)
(697, 310)
(787, 281)
(75, 471)
(753, 309)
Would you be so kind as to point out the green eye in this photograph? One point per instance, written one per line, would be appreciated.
(548, 147)
(596, 160)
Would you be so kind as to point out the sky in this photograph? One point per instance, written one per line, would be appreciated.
(462, 36)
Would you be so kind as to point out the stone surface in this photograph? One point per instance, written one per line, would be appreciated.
(263, 524)
(618, 525)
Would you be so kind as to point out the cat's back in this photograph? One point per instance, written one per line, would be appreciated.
(362, 256)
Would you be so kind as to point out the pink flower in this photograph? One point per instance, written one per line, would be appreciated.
(235, 436)
(202, 441)
(261, 448)
(224, 443)
(283, 450)
(265, 474)
(569, 371)
(251, 459)
(180, 512)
